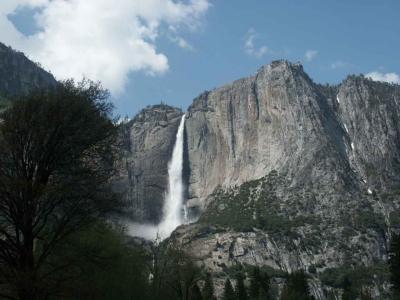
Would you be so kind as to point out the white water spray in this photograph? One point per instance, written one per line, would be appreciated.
(174, 212)
(174, 199)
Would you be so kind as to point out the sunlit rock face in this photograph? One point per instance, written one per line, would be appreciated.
(276, 120)
(371, 112)
(147, 145)
(294, 175)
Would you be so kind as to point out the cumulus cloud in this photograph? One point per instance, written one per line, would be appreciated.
(310, 55)
(100, 39)
(385, 77)
(250, 47)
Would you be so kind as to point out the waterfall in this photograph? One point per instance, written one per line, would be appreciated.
(174, 212)
(173, 205)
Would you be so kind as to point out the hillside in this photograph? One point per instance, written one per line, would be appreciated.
(19, 75)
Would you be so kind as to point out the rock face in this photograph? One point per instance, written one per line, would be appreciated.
(370, 111)
(19, 75)
(301, 176)
(276, 120)
(148, 142)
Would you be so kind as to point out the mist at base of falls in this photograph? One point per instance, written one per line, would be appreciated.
(173, 210)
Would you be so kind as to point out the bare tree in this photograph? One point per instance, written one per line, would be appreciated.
(56, 160)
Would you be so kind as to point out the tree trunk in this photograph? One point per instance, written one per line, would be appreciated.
(27, 289)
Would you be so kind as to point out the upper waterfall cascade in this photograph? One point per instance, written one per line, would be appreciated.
(173, 206)
(174, 212)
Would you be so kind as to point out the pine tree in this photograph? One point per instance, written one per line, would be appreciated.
(195, 293)
(259, 284)
(229, 293)
(241, 291)
(348, 293)
(255, 286)
(264, 286)
(208, 290)
(296, 287)
(394, 265)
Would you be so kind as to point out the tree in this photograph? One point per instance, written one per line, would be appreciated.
(296, 287)
(394, 265)
(175, 273)
(265, 286)
(255, 279)
(241, 291)
(348, 290)
(259, 284)
(208, 289)
(229, 293)
(56, 160)
(105, 267)
(195, 293)
(365, 294)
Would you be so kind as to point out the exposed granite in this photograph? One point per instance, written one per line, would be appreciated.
(148, 142)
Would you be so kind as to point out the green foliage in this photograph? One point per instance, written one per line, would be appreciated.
(365, 295)
(195, 293)
(174, 273)
(368, 219)
(99, 265)
(394, 218)
(349, 292)
(353, 279)
(208, 290)
(56, 162)
(229, 293)
(253, 205)
(394, 264)
(259, 284)
(4, 103)
(254, 289)
(312, 269)
(241, 290)
(296, 287)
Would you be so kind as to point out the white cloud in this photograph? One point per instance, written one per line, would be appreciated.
(101, 39)
(310, 55)
(249, 45)
(385, 77)
(181, 42)
(339, 64)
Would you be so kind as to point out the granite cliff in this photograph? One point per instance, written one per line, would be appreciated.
(294, 175)
(283, 173)
(147, 144)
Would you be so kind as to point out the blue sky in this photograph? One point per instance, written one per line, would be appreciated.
(232, 39)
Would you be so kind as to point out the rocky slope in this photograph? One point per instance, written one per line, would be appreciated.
(148, 142)
(19, 75)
